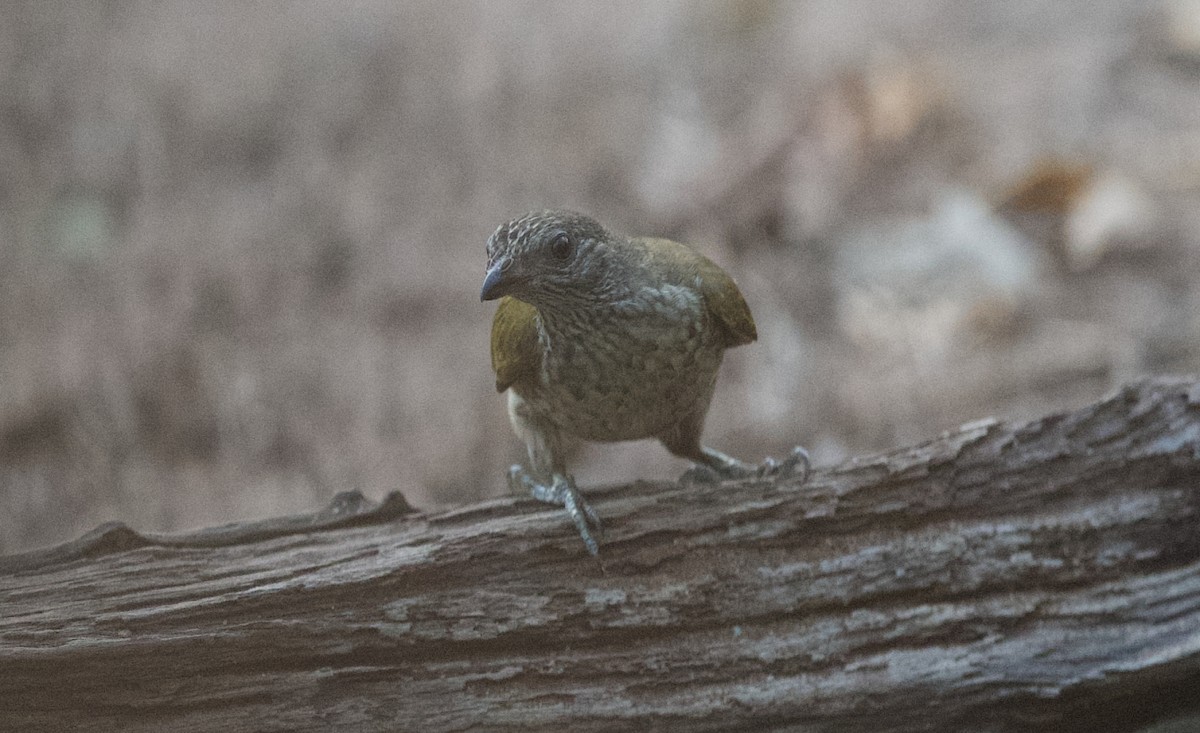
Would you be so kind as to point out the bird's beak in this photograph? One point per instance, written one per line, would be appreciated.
(496, 283)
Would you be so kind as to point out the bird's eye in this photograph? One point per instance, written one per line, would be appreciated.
(562, 247)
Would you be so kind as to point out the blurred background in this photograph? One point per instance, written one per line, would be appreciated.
(241, 243)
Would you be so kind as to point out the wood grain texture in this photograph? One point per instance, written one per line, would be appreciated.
(998, 578)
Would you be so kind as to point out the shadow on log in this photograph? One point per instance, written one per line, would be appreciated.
(1000, 578)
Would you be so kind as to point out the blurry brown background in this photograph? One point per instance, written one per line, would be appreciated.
(241, 243)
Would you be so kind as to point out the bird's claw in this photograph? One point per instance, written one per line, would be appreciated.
(562, 492)
(730, 469)
(582, 514)
(796, 462)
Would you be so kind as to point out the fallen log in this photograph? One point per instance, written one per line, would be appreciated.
(1000, 577)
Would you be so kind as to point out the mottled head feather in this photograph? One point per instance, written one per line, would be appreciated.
(524, 250)
(537, 229)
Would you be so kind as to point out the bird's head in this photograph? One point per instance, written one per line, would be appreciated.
(548, 259)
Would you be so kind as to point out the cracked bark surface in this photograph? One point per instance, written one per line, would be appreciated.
(999, 577)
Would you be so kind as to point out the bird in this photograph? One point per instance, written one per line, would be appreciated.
(604, 337)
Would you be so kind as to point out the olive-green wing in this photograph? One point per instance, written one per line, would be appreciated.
(516, 354)
(685, 266)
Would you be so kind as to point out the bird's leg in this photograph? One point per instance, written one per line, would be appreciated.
(548, 448)
(711, 466)
(561, 492)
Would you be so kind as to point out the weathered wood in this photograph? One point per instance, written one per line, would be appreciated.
(996, 578)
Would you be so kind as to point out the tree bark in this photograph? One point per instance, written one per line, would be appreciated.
(998, 578)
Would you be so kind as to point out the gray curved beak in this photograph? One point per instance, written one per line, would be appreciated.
(494, 284)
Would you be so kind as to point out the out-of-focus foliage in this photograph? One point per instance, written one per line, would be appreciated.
(241, 243)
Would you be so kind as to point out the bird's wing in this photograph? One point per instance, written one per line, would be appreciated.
(516, 354)
(685, 266)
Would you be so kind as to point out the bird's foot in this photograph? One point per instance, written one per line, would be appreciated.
(797, 463)
(722, 467)
(562, 492)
